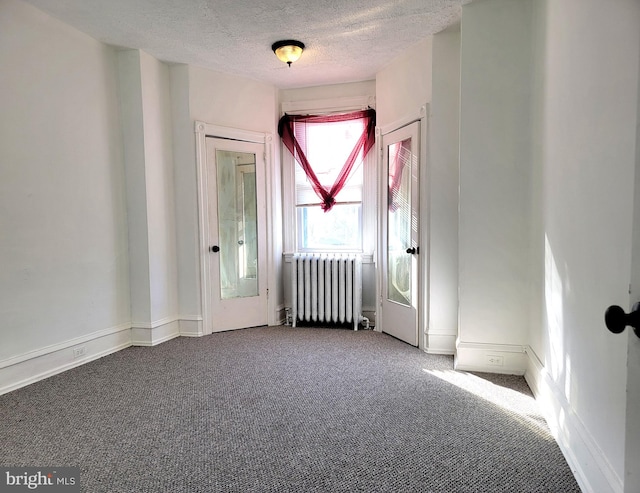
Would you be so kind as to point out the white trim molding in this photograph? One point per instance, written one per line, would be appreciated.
(155, 333)
(191, 326)
(491, 358)
(330, 105)
(366, 258)
(592, 470)
(154, 324)
(440, 341)
(30, 367)
(417, 114)
(280, 315)
(33, 366)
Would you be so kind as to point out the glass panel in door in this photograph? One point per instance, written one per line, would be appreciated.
(400, 223)
(237, 224)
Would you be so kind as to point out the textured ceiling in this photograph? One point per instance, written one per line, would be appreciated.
(346, 40)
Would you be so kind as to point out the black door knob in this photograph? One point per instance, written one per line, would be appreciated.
(215, 249)
(616, 319)
(412, 250)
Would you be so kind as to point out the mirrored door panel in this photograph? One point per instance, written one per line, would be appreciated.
(237, 224)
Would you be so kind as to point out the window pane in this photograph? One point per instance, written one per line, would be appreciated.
(327, 147)
(338, 229)
(352, 192)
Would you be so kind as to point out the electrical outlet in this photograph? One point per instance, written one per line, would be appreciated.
(494, 360)
(79, 352)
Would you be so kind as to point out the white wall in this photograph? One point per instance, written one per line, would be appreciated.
(147, 134)
(160, 187)
(130, 96)
(585, 135)
(494, 255)
(232, 101)
(219, 99)
(430, 73)
(546, 226)
(184, 158)
(63, 234)
(444, 143)
(404, 85)
(548, 145)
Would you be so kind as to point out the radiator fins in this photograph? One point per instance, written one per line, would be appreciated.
(326, 288)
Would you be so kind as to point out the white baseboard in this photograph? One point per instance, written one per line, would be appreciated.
(592, 470)
(370, 313)
(30, 367)
(280, 316)
(440, 341)
(191, 326)
(491, 358)
(159, 332)
(33, 366)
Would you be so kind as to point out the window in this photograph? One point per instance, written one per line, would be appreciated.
(349, 219)
(328, 146)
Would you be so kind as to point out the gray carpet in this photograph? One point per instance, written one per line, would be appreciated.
(283, 410)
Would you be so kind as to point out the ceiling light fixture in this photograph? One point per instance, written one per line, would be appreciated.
(288, 50)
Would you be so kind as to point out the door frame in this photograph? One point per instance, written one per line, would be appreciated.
(631, 477)
(420, 115)
(202, 131)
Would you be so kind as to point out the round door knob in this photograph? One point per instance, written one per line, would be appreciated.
(411, 250)
(215, 248)
(616, 319)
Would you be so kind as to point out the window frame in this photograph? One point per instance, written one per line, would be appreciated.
(369, 195)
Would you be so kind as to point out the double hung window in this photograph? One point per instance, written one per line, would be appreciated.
(330, 173)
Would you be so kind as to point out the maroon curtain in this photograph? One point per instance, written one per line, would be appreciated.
(366, 141)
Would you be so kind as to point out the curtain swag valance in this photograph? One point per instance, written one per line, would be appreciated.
(286, 130)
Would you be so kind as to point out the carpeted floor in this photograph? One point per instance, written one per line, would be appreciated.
(284, 410)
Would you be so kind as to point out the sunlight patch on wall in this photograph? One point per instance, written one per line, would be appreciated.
(554, 309)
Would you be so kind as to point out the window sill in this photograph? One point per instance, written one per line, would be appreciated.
(367, 258)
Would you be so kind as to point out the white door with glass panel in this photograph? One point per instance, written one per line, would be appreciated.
(237, 237)
(400, 248)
